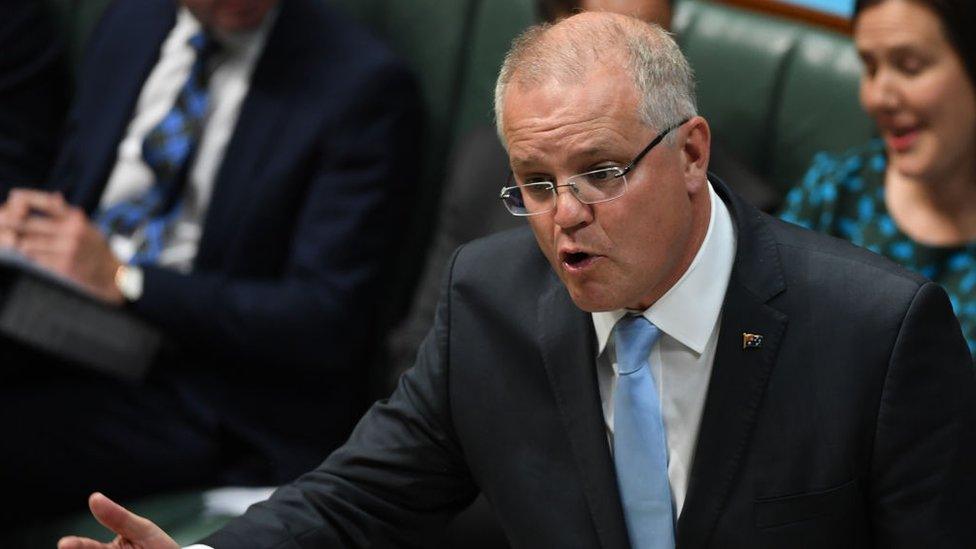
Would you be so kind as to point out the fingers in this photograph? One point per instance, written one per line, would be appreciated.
(35, 227)
(42, 235)
(132, 530)
(8, 238)
(12, 215)
(120, 520)
(74, 542)
(22, 201)
(20, 204)
(50, 260)
(47, 251)
(33, 245)
(39, 226)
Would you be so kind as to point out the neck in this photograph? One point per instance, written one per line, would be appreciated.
(940, 211)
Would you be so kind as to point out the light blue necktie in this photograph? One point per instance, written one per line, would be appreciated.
(640, 450)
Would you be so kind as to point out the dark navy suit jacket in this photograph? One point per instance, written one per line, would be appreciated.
(852, 425)
(33, 93)
(272, 327)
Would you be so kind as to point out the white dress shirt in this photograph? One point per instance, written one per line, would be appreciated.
(229, 82)
(681, 360)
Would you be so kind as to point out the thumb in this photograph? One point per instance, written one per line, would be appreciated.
(120, 520)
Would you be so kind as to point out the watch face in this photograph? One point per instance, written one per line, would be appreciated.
(128, 280)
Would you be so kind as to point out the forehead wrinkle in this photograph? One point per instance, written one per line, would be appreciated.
(568, 122)
(564, 140)
(553, 123)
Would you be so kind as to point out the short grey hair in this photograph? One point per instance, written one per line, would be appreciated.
(565, 51)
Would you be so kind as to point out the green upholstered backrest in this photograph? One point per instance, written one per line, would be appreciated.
(496, 24)
(775, 91)
(737, 62)
(456, 47)
(432, 36)
(818, 108)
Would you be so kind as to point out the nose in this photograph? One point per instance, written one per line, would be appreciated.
(570, 212)
(879, 91)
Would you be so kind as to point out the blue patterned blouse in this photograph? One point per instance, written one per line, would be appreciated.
(843, 196)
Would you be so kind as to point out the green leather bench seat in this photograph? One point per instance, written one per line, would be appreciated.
(432, 36)
(456, 47)
(775, 91)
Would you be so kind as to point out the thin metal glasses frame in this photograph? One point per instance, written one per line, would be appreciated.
(552, 187)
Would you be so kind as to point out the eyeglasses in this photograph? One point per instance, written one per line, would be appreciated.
(593, 187)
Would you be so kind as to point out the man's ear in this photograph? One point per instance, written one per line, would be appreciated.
(695, 139)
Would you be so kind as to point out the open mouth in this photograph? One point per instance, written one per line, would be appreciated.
(576, 260)
(901, 139)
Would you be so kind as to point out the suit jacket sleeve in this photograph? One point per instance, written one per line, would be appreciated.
(925, 440)
(322, 301)
(33, 100)
(398, 479)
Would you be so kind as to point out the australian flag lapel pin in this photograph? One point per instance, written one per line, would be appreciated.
(751, 341)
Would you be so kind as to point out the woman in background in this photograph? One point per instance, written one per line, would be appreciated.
(910, 195)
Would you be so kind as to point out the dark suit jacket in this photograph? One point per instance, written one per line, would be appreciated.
(280, 303)
(854, 425)
(33, 93)
(470, 209)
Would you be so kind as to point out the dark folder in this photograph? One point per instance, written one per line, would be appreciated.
(59, 317)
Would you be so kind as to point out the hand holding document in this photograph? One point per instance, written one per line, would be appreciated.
(60, 238)
(57, 288)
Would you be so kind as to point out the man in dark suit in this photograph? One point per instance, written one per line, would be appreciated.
(481, 160)
(293, 151)
(655, 364)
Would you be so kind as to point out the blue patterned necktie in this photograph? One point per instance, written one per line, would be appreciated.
(640, 451)
(167, 150)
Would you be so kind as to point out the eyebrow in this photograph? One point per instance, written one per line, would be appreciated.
(525, 162)
(898, 49)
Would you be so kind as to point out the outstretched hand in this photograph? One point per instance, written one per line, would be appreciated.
(134, 532)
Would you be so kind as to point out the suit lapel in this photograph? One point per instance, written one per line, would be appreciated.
(568, 352)
(739, 375)
(258, 131)
(113, 85)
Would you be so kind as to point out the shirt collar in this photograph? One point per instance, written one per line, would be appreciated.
(689, 310)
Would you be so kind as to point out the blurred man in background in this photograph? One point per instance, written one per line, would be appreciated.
(231, 175)
(481, 167)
